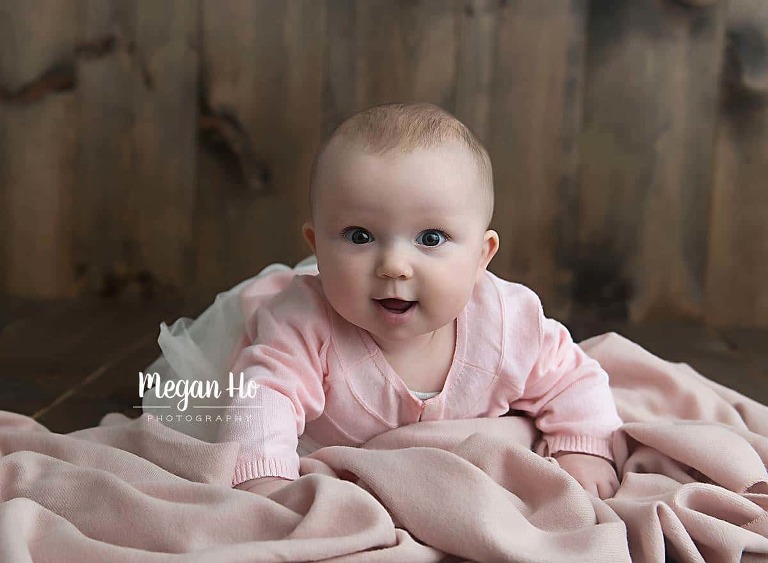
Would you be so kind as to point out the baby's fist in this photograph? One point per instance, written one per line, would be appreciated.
(263, 486)
(595, 474)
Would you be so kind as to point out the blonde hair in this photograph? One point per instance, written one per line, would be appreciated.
(408, 126)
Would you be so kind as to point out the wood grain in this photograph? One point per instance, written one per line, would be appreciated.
(44, 355)
(389, 51)
(159, 148)
(164, 192)
(107, 67)
(476, 68)
(650, 112)
(37, 147)
(536, 99)
(738, 244)
(111, 387)
(263, 71)
(752, 343)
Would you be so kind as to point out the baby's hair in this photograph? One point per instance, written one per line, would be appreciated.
(406, 127)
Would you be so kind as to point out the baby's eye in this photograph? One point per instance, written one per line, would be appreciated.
(358, 235)
(431, 237)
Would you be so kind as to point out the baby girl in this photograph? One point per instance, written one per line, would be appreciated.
(404, 323)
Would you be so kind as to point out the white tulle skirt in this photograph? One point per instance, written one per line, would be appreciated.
(198, 354)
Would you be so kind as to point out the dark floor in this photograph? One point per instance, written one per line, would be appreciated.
(67, 364)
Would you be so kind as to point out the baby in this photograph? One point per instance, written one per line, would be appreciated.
(404, 323)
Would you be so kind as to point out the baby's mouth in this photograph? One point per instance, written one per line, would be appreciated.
(397, 306)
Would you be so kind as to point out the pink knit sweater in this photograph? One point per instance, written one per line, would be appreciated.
(322, 377)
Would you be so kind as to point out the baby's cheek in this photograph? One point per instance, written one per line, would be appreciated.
(458, 285)
(339, 281)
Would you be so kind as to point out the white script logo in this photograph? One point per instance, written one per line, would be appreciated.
(197, 389)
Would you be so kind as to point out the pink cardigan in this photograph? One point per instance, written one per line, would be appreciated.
(322, 377)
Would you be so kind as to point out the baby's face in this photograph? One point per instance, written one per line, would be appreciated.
(399, 226)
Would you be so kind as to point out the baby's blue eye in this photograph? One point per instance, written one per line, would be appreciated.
(431, 237)
(358, 235)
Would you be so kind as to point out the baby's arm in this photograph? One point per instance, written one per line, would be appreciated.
(567, 393)
(285, 366)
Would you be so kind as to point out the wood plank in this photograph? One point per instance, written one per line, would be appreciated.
(37, 147)
(32, 353)
(476, 71)
(535, 101)
(41, 360)
(108, 66)
(163, 200)
(263, 81)
(752, 343)
(138, 69)
(111, 387)
(18, 309)
(738, 270)
(650, 106)
(390, 51)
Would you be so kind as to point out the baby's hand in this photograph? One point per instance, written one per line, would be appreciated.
(263, 486)
(594, 473)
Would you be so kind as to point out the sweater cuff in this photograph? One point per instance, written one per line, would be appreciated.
(247, 470)
(592, 445)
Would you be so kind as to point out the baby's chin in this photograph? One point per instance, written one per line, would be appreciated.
(406, 333)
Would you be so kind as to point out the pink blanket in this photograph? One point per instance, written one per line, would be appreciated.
(692, 459)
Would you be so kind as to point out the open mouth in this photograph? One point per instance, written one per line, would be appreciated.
(397, 306)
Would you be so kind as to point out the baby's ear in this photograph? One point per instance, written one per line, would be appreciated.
(309, 235)
(490, 247)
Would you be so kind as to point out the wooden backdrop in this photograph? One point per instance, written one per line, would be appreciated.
(150, 147)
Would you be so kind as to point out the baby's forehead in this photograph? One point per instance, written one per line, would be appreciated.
(346, 164)
(436, 165)
(343, 155)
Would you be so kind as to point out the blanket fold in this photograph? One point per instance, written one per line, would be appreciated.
(692, 460)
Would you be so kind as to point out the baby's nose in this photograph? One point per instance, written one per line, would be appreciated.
(394, 263)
